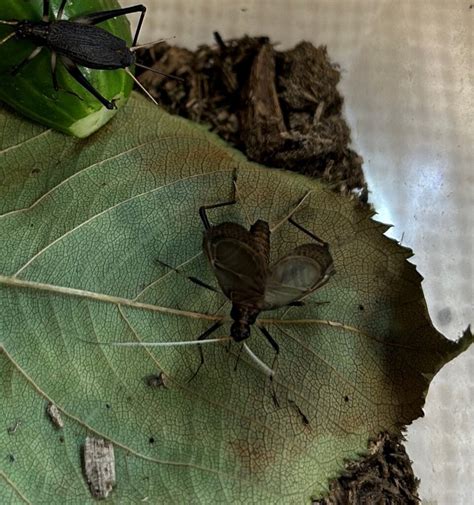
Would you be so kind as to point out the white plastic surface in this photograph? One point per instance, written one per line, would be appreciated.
(407, 82)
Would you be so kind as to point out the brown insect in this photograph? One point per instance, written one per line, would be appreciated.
(240, 261)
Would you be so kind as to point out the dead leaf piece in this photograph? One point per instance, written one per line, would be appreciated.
(54, 415)
(99, 466)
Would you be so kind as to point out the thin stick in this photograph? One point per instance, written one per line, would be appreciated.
(268, 371)
(140, 85)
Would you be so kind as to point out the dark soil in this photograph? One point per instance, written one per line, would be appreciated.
(283, 109)
(384, 477)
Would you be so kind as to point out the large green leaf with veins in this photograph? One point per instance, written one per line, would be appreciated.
(84, 228)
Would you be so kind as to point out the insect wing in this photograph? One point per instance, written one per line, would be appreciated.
(239, 269)
(297, 274)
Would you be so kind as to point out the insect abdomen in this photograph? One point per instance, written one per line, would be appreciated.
(89, 46)
(261, 232)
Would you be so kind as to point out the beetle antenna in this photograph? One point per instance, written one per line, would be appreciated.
(8, 37)
(11, 23)
(175, 77)
(150, 44)
(140, 85)
(158, 344)
(268, 371)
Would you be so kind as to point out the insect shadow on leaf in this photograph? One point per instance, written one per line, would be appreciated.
(78, 41)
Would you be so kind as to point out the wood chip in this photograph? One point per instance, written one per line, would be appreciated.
(99, 466)
(54, 415)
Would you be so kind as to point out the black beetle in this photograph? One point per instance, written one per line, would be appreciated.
(78, 41)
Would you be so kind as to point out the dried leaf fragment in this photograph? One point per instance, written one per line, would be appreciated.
(54, 415)
(99, 466)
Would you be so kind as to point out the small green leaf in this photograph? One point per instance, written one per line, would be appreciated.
(84, 227)
(72, 109)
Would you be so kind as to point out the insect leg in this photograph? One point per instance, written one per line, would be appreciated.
(276, 348)
(98, 17)
(73, 69)
(191, 278)
(8, 37)
(304, 230)
(210, 330)
(202, 211)
(54, 60)
(61, 10)
(45, 10)
(34, 54)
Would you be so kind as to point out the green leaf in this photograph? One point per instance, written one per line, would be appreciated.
(72, 109)
(84, 227)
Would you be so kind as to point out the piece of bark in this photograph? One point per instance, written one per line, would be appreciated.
(300, 122)
(99, 466)
(261, 119)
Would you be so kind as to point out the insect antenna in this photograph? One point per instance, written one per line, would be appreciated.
(11, 23)
(140, 85)
(170, 76)
(266, 369)
(157, 344)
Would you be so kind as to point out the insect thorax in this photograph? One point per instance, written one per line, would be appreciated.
(36, 31)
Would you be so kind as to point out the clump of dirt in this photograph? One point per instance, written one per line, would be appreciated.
(281, 108)
(384, 477)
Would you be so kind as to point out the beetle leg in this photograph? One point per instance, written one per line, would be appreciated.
(33, 54)
(98, 17)
(210, 330)
(61, 10)
(73, 69)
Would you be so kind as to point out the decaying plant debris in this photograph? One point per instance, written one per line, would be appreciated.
(384, 477)
(283, 109)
